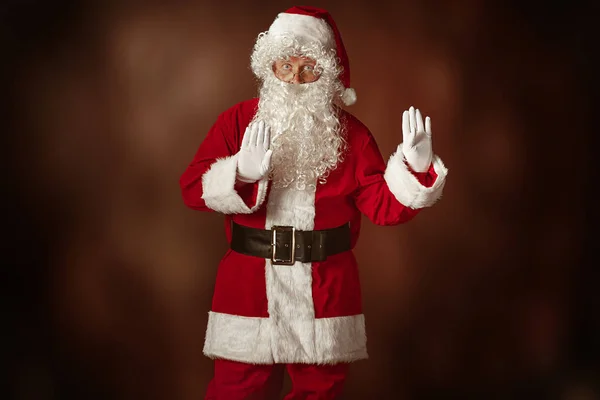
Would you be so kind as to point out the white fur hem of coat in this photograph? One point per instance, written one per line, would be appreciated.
(251, 340)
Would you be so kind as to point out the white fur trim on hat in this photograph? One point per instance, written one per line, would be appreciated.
(349, 96)
(305, 27)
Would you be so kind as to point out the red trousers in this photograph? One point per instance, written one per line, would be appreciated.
(239, 381)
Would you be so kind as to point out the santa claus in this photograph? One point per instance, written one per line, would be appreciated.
(292, 171)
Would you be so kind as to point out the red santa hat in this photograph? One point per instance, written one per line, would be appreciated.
(316, 25)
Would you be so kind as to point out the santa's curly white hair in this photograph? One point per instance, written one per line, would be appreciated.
(308, 137)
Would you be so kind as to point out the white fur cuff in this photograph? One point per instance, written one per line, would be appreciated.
(406, 187)
(218, 188)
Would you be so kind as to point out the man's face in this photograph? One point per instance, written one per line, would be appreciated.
(296, 70)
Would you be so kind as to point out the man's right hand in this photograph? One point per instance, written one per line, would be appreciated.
(254, 158)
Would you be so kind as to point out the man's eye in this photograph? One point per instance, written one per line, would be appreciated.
(286, 66)
(309, 67)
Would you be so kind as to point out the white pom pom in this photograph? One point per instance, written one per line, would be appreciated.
(349, 96)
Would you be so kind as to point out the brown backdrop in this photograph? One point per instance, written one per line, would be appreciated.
(113, 276)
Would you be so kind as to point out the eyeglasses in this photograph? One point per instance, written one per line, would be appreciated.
(287, 71)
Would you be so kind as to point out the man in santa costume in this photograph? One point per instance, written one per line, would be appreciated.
(293, 172)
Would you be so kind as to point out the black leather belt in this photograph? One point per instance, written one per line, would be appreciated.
(284, 245)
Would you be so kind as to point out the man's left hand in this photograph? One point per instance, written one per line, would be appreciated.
(416, 144)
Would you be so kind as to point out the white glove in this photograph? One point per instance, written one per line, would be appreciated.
(416, 144)
(254, 158)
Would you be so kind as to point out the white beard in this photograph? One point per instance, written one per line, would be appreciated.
(306, 134)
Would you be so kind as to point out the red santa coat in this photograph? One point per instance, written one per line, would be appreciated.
(309, 312)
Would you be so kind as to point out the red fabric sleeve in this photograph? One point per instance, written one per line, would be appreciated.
(374, 198)
(221, 142)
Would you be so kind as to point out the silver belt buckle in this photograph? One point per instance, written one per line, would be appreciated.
(279, 261)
